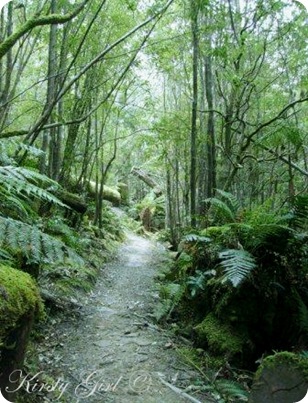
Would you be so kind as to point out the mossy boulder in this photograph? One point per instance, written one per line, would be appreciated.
(281, 378)
(218, 337)
(20, 304)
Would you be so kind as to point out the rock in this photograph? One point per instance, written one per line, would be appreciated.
(281, 378)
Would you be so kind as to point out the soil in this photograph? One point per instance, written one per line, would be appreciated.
(114, 351)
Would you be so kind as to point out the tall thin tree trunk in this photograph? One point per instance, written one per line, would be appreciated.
(48, 143)
(193, 134)
(6, 82)
(211, 149)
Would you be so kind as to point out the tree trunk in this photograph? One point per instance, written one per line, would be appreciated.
(48, 136)
(193, 133)
(148, 180)
(211, 150)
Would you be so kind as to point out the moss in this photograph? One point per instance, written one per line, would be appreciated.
(285, 357)
(217, 233)
(192, 356)
(19, 295)
(220, 338)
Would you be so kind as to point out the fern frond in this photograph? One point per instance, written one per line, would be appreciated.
(36, 152)
(26, 184)
(35, 245)
(265, 234)
(222, 208)
(300, 211)
(196, 238)
(237, 265)
(230, 199)
(302, 311)
(171, 295)
(5, 257)
(14, 204)
(231, 390)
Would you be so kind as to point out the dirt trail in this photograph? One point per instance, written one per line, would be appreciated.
(115, 352)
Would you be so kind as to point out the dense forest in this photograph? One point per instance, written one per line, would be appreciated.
(192, 117)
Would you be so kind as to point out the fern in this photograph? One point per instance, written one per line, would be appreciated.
(30, 241)
(237, 265)
(196, 238)
(197, 283)
(300, 211)
(170, 295)
(231, 391)
(230, 199)
(5, 257)
(221, 208)
(265, 234)
(302, 312)
(26, 184)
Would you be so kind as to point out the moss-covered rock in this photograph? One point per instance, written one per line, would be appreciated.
(282, 377)
(219, 337)
(19, 295)
(20, 304)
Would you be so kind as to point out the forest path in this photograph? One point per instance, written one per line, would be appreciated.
(114, 352)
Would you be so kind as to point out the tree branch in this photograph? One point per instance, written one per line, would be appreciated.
(280, 114)
(9, 42)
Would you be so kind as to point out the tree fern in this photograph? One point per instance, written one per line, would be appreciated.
(25, 184)
(237, 265)
(5, 257)
(30, 241)
(221, 208)
(299, 216)
(230, 199)
(265, 234)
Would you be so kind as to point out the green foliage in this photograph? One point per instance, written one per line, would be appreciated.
(247, 275)
(195, 238)
(224, 209)
(20, 185)
(220, 389)
(196, 283)
(225, 390)
(170, 295)
(184, 264)
(67, 279)
(18, 238)
(299, 214)
(57, 227)
(237, 265)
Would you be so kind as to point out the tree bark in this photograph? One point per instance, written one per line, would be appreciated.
(193, 133)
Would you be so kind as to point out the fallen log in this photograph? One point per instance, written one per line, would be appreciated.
(109, 193)
(72, 200)
(147, 180)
